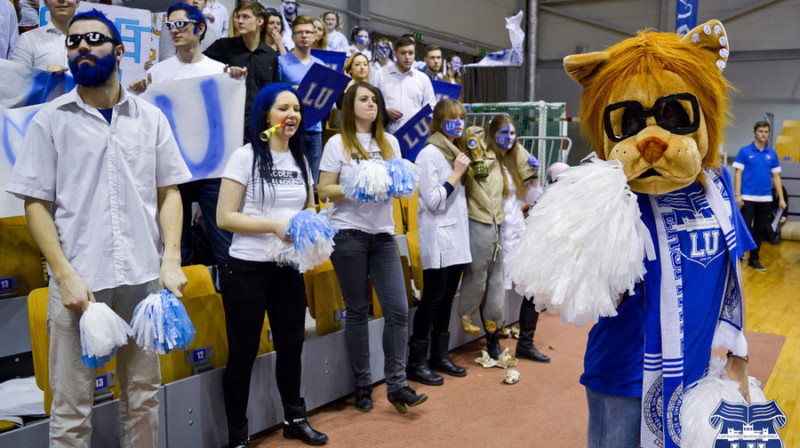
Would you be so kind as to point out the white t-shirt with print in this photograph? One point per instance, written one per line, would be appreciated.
(280, 197)
(369, 217)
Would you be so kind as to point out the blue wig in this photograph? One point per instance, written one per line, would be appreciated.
(99, 16)
(191, 13)
(262, 105)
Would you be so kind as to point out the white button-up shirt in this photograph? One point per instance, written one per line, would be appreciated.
(443, 220)
(221, 19)
(407, 92)
(40, 47)
(102, 180)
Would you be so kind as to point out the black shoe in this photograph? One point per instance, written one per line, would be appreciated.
(238, 438)
(405, 396)
(526, 349)
(417, 369)
(528, 319)
(295, 426)
(364, 399)
(440, 356)
(493, 345)
(240, 444)
(756, 265)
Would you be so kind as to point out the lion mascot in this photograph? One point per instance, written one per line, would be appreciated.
(646, 238)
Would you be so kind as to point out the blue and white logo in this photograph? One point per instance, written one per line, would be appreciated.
(745, 426)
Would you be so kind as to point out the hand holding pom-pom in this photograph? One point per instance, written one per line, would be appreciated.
(405, 177)
(102, 331)
(160, 323)
(368, 182)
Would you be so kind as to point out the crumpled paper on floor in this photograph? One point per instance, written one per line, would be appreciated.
(511, 376)
(504, 361)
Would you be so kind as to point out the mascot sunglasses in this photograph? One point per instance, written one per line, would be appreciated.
(670, 112)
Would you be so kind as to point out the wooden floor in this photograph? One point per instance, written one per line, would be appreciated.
(773, 306)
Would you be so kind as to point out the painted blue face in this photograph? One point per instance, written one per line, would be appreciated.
(455, 64)
(384, 50)
(88, 75)
(454, 127)
(362, 38)
(506, 137)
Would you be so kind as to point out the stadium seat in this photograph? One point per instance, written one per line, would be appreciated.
(413, 239)
(788, 148)
(40, 346)
(324, 296)
(19, 255)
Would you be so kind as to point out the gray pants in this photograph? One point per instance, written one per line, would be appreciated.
(358, 255)
(482, 285)
(72, 382)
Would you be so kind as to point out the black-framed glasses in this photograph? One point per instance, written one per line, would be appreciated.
(92, 38)
(179, 24)
(678, 113)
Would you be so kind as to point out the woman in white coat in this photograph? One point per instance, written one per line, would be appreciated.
(444, 241)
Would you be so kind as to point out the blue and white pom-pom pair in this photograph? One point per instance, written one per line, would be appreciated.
(160, 323)
(376, 180)
(312, 236)
(102, 331)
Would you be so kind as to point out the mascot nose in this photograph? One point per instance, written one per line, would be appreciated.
(651, 148)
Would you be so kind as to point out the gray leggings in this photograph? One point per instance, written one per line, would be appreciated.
(482, 285)
(357, 256)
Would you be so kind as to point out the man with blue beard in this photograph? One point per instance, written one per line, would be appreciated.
(98, 174)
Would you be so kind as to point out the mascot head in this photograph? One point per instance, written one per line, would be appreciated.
(657, 103)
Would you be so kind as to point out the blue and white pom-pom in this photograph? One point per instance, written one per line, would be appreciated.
(405, 177)
(584, 244)
(368, 182)
(160, 323)
(102, 331)
(312, 234)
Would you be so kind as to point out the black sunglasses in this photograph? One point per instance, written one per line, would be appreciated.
(179, 24)
(670, 111)
(92, 38)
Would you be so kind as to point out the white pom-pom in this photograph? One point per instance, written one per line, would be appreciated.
(584, 244)
(704, 398)
(368, 182)
(102, 331)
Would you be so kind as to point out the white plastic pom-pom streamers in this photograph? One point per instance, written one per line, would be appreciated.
(102, 330)
(584, 244)
(148, 322)
(368, 182)
(703, 399)
(312, 234)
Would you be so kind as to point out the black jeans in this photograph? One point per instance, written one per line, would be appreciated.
(357, 256)
(205, 192)
(249, 289)
(756, 216)
(439, 288)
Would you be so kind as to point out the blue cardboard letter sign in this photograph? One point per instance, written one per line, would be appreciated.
(318, 91)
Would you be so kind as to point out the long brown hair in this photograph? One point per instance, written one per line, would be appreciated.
(506, 157)
(352, 147)
(445, 108)
(321, 44)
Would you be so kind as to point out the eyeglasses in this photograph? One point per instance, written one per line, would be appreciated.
(670, 111)
(179, 24)
(92, 38)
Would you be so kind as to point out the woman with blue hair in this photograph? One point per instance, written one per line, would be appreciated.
(264, 184)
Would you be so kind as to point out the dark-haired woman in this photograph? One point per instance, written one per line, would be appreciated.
(443, 237)
(264, 184)
(365, 248)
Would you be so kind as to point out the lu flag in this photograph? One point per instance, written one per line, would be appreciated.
(685, 16)
(414, 133)
(512, 57)
(446, 90)
(318, 92)
(206, 115)
(334, 60)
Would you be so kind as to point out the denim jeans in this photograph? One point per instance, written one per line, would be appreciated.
(357, 256)
(437, 301)
(249, 288)
(205, 192)
(314, 152)
(614, 422)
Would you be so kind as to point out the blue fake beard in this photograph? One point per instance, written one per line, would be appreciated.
(384, 51)
(453, 128)
(88, 75)
(290, 10)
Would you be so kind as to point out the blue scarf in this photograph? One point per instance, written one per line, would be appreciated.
(663, 379)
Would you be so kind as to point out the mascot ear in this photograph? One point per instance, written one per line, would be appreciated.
(711, 38)
(580, 66)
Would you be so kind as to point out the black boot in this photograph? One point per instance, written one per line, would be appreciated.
(493, 345)
(417, 369)
(528, 318)
(364, 398)
(440, 356)
(238, 438)
(295, 425)
(405, 396)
